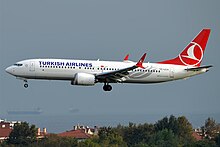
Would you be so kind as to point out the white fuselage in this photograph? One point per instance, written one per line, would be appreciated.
(64, 69)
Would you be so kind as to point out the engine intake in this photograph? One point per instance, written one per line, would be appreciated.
(83, 79)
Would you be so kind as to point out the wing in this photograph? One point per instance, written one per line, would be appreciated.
(115, 76)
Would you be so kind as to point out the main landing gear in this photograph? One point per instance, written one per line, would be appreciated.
(107, 87)
(25, 84)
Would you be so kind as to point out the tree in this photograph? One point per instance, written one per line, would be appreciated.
(88, 143)
(56, 141)
(173, 124)
(22, 134)
(204, 143)
(170, 123)
(141, 144)
(137, 135)
(110, 137)
(217, 140)
(180, 126)
(162, 124)
(164, 138)
(210, 128)
(184, 127)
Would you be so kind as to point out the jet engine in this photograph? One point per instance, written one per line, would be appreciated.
(84, 79)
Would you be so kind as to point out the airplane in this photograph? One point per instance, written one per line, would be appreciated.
(90, 72)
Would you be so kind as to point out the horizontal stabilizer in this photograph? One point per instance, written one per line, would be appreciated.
(199, 68)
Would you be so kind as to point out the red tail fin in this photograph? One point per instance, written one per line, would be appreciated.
(193, 53)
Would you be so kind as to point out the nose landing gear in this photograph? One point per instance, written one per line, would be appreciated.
(25, 84)
(107, 87)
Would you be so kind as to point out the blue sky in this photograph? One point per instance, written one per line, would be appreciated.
(108, 30)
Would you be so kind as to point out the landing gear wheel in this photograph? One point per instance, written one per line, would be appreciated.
(26, 85)
(104, 88)
(107, 87)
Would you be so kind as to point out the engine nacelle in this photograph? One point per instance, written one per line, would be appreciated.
(83, 79)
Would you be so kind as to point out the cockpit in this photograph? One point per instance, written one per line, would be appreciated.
(16, 69)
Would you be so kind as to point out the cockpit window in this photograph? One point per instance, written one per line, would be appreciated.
(17, 64)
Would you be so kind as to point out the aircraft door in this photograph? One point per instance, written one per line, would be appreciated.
(32, 66)
(171, 73)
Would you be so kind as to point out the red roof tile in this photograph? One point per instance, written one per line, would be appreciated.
(5, 132)
(79, 134)
(196, 136)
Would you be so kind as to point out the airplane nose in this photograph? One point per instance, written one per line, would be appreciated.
(9, 70)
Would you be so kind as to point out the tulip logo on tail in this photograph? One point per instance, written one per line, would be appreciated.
(192, 55)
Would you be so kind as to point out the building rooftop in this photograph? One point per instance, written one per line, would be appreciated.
(5, 130)
(197, 136)
(78, 134)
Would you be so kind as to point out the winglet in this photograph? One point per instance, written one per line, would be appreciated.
(140, 62)
(126, 57)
